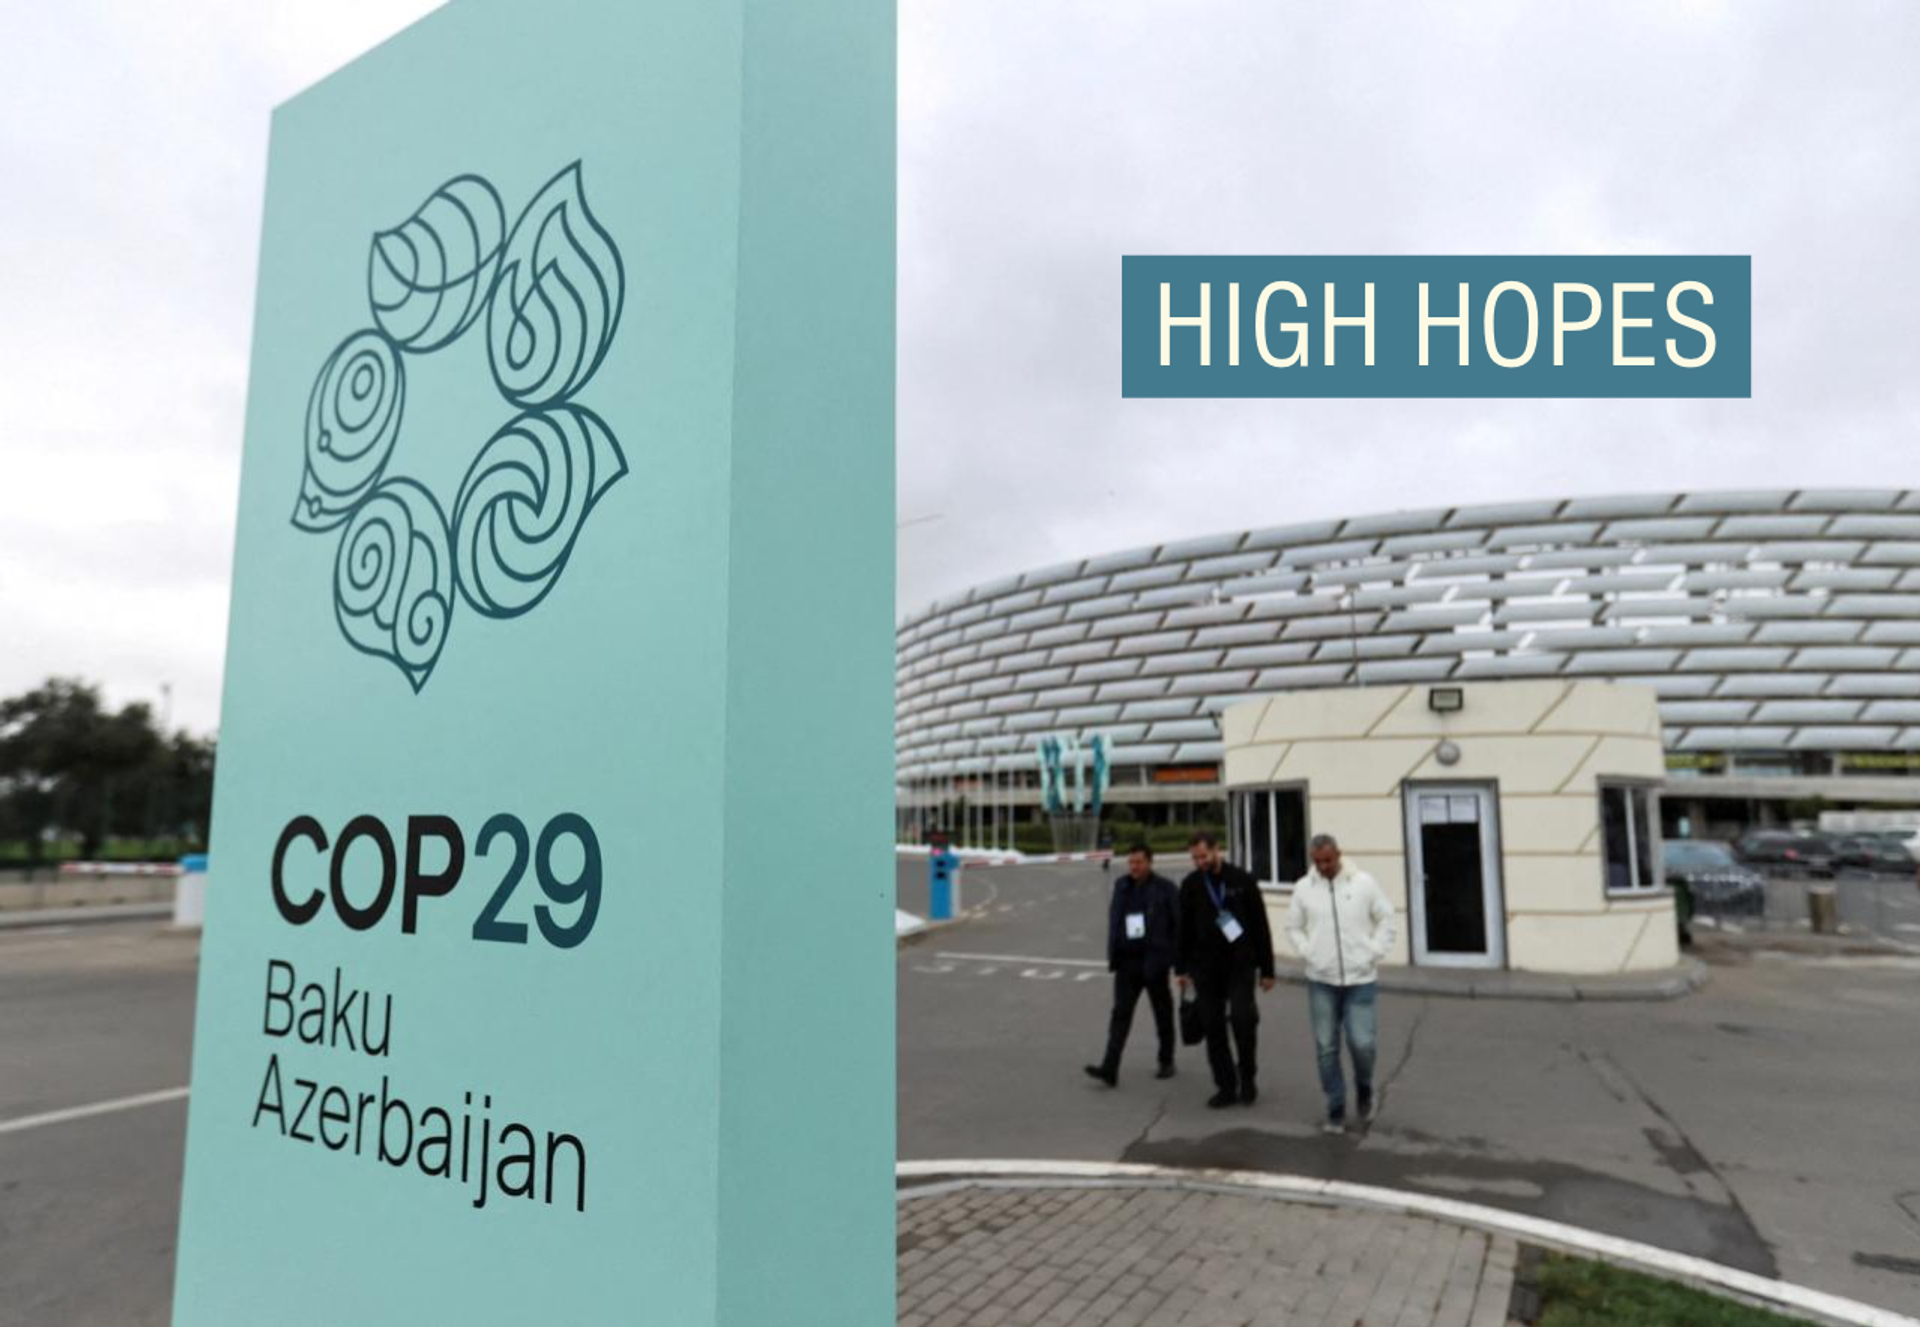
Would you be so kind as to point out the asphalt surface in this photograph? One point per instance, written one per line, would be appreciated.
(1767, 1122)
(88, 1207)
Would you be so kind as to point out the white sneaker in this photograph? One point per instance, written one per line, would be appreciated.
(1332, 1126)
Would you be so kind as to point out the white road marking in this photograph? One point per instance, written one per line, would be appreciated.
(1039, 970)
(91, 1109)
(1025, 958)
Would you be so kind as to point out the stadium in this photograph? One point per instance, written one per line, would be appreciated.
(1780, 631)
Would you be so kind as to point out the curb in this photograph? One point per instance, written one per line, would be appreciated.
(112, 912)
(929, 929)
(921, 1179)
(925, 931)
(1685, 978)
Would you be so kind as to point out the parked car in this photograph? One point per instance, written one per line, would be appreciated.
(1908, 839)
(1708, 880)
(1905, 838)
(1787, 852)
(1881, 854)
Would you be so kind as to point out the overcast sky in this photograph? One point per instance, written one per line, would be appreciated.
(1038, 143)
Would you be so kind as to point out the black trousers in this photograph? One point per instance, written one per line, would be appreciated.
(1127, 985)
(1226, 1003)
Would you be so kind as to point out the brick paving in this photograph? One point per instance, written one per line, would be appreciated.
(1125, 1257)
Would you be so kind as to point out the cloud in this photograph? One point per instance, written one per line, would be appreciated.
(1038, 144)
(133, 143)
(1035, 152)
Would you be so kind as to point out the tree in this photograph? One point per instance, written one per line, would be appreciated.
(68, 764)
(184, 796)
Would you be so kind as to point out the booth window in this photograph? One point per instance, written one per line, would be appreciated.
(1627, 820)
(1269, 833)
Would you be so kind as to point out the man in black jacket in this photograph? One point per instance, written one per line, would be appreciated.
(1225, 944)
(1142, 938)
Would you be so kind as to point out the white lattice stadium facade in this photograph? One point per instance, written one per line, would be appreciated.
(1781, 630)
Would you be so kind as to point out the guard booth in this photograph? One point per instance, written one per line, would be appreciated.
(1514, 824)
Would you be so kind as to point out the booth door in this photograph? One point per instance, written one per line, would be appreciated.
(1453, 876)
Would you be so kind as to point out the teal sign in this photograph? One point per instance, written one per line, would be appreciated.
(1439, 326)
(547, 973)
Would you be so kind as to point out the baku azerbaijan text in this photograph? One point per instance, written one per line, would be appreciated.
(443, 1142)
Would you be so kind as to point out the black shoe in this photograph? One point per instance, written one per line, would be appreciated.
(1365, 1104)
(1165, 1071)
(1248, 1093)
(1222, 1099)
(1111, 1077)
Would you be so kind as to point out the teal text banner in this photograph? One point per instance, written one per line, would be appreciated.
(1533, 326)
(548, 965)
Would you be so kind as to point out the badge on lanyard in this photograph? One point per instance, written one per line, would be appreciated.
(1136, 926)
(1228, 923)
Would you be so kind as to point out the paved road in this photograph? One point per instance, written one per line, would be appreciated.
(88, 1206)
(1766, 1123)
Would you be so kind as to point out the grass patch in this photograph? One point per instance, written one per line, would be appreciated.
(1576, 1292)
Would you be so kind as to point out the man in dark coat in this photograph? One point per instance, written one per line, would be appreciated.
(1225, 946)
(1142, 939)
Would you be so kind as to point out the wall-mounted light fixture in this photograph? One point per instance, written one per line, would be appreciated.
(1447, 753)
(1446, 700)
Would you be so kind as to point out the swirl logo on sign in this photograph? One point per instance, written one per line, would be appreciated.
(549, 290)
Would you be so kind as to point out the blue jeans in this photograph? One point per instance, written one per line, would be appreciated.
(1332, 1008)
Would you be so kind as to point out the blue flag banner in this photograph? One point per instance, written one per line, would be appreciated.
(1437, 326)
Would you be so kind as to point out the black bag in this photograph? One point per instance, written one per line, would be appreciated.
(1193, 1028)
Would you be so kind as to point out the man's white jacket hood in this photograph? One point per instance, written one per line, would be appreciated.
(1340, 928)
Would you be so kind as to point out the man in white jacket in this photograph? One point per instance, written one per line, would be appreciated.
(1341, 924)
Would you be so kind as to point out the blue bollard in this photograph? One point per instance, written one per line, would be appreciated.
(943, 884)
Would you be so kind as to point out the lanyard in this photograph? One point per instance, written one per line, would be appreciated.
(1219, 896)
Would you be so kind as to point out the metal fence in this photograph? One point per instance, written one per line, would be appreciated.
(1878, 905)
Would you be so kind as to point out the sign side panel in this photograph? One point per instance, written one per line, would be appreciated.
(807, 1141)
